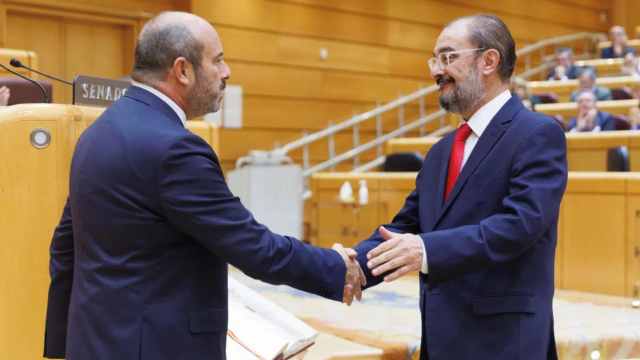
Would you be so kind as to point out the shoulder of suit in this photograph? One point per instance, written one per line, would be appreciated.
(531, 119)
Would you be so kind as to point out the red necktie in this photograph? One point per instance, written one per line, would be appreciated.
(455, 161)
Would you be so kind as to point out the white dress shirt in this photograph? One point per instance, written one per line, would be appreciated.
(478, 123)
(166, 99)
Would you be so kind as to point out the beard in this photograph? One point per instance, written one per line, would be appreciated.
(204, 97)
(465, 95)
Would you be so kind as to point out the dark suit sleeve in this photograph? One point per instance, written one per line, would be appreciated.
(607, 53)
(538, 181)
(574, 96)
(196, 199)
(606, 122)
(61, 272)
(406, 221)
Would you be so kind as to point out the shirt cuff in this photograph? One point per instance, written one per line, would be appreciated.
(425, 268)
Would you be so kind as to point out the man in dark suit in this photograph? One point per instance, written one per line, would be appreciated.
(589, 118)
(587, 79)
(564, 57)
(618, 37)
(139, 259)
(481, 224)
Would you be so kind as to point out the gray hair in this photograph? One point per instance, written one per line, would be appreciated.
(565, 50)
(158, 47)
(587, 91)
(489, 32)
(589, 71)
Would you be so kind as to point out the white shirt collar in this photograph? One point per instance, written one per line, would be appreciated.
(481, 119)
(166, 99)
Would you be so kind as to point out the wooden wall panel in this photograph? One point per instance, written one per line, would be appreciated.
(89, 37)
(262, 112)
(597, 233)
(376, 49)
(42, 35)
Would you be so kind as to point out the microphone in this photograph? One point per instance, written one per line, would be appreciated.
(46, 99)
(18, 64)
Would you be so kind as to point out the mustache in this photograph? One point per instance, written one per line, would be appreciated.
(444, 80)
(223, 85)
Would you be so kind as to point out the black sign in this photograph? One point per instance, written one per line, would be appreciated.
(98, 92)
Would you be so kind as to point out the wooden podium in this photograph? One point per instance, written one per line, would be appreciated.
(36, 147)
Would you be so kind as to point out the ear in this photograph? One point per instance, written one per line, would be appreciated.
(491, 62)
(182, 70)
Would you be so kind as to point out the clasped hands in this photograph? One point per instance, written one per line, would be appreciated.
(403, 252)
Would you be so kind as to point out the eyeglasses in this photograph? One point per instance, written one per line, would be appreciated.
(446, 58)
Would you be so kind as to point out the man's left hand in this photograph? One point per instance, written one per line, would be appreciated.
(400, 251)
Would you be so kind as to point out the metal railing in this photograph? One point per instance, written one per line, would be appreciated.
(279, 154)
(589, 51)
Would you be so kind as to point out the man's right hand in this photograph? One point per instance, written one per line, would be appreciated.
(354, 278)
(5, 93)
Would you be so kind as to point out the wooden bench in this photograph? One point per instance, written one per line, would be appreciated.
(564, 88)
(585, 151)
(569, 110)
(604, 67)
(599, 220)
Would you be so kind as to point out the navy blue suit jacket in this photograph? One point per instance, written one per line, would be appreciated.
(607, 53)
(491, 246)
(139, 259)
(603, 119)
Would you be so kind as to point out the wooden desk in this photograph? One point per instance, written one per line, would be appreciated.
(598, 231)
(28, 58)
(585, 151)
(604, 67)
(569, 110)
(564, 88)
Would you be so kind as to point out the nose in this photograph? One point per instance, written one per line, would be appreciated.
(437, 72)
(226, 72)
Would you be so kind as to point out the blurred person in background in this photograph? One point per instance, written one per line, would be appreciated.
(519, 87)
(618, 37)
(630, 66)
(564, 57)
(5, 94)
(587, 80)
(589, 118)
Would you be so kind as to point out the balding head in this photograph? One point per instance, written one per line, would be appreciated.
(180, 54)
(165, 38)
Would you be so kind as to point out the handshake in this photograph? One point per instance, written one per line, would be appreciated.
(404, 252)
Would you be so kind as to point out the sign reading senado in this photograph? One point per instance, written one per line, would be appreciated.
(96, 91)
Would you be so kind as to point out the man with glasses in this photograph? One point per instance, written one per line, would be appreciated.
(481, 225)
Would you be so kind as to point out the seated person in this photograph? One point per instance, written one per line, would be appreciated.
(559, 74)
(519, 86)
(589, 118)
(634, 118)
(5, 94)
(587, 80)
(630, 66)
(564, 57)
(618, 37)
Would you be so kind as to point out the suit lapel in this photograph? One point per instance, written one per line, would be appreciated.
(486, 142)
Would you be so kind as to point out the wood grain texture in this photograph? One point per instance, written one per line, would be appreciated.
(598, 226)
(34, 187)
(586, 152)
(375, 48)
